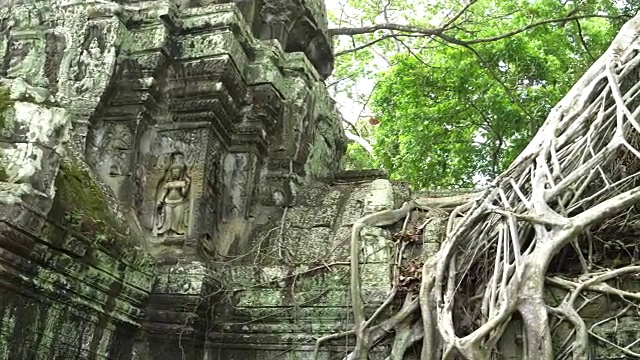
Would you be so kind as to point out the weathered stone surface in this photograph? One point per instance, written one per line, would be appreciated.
(143, 146)
(72, 283)
(292, 286)
(171, 187)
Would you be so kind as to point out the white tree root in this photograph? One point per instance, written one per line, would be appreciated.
(493, 264)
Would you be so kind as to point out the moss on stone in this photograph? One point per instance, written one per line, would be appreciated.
(4, 177)
(5, 103)
(81, 205)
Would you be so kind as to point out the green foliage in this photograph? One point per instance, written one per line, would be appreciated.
(358, 158)
(453, 114)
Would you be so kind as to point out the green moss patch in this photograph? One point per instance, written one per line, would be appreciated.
(5, 104)
(81, 205)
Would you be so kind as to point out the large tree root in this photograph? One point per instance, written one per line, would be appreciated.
(572, 181)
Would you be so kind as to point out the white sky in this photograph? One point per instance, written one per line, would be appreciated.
(349, 108)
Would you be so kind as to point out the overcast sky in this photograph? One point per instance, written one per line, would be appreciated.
(349, 108)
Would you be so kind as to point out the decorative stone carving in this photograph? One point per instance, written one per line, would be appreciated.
(139, 181)
(174, 105)
(90, 59)
(173, 195)
(88, 280)
(91, 63)
(24, 58)
(211, 191)
(120, 143)
(16, 56)
(55, 46)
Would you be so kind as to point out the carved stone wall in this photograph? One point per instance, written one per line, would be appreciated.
(73, 282)
(291, 287)
(171, 186)
(195, 82)
(145, 144)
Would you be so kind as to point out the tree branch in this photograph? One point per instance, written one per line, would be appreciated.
(439, 32)
(373, 42)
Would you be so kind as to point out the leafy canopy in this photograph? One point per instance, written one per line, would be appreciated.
(451, 115)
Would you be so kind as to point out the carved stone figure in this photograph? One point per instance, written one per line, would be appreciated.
(173, 196)
(92, 62)
(17, 56)
(118, 149)
(55, 46)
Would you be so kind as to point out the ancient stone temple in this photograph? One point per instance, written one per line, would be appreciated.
(171, 183)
